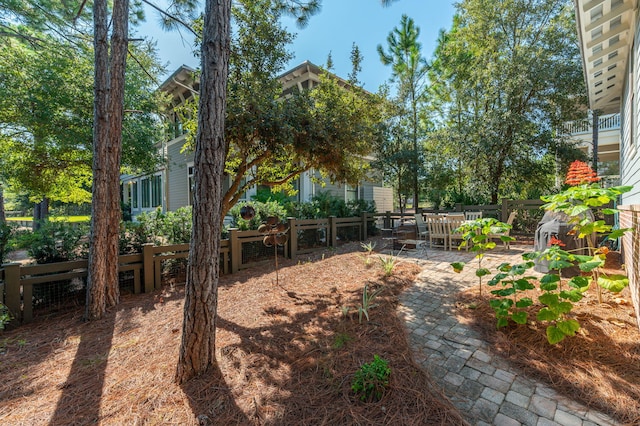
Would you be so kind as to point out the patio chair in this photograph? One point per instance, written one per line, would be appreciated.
(422, 233)
(510, 220)
(472, 215)
(436, 225)
(453, 223)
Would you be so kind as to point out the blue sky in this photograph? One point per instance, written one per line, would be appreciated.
(334, 29)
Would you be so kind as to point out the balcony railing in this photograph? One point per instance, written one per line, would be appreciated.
(605, 122)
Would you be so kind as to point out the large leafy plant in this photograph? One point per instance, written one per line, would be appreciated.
(557, 298)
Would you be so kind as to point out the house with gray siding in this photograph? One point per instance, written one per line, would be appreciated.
(169, 187)
(609, 32)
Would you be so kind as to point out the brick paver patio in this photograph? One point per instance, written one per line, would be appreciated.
(482, 385)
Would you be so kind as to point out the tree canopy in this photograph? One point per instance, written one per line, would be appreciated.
(505, 77)
(272, 139)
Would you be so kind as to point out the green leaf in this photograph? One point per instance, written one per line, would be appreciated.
(457, 266)
(564, 307)
(559, 264)
(497, 278)
(577, 210)
(615, 283)
(550, 278)
(524, 302)
(504, 267)
(546, 314)
(504, 292)
(502, 322)
(619, 233)
(549, 299)
(519, 317)
(523, 284)
(481, 272)
(572, 295)
(581, 283)
(568, 327)
(590, 266)
(554, 335)
(609, 211)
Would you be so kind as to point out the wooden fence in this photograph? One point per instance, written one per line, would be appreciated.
(25, 290)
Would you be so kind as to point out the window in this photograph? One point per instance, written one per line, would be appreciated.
(156, 191)
(351, 193)
(133, 194)
(146, 193)
(151, 191)
(190, 183)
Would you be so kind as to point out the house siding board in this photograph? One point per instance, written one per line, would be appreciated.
(178, 195)
(630, 218)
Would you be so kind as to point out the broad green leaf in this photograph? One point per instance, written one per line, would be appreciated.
(523, 284)
(590, 266)
(502, 322)
(619, 233)
(577, 210)
(609, 211)
(546, 314)
(568, 327)
(481, 272)
(457, 266)
(506, 238)
(615, 283)
(490, 245)
(572, 295)
(524, 302)
(495, 303)
(497, 279)
(559, 264)
(554, 335)
(549, 299)
(531, 256)
(582, 258)
(519, 317)
(550, 278)
(504, 292)
(549, 286)
(564, 307)
(504, 267)
(581, 283)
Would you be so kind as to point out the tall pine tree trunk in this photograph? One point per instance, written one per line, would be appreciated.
(40, 213)
(197, 350)
(3, 218)
(102, 283)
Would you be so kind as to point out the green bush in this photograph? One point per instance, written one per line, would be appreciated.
(263, 211)
(370, 381)
(5, 236)
(56, 242)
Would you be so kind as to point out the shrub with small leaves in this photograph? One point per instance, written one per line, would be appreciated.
(371, 380)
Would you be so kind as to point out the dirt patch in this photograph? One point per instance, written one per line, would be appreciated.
(600, 366)
(287, 354)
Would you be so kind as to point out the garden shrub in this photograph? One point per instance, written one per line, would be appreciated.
(263, 211)
(56, 242)
(371, 380)
(5, 235)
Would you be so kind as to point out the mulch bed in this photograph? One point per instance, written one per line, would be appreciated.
(287, 355)
(600, 366)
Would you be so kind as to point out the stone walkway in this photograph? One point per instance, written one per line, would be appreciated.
(483, 386)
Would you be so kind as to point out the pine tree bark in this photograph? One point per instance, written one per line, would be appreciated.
(197, 350)
(102, 282)
(3, 218)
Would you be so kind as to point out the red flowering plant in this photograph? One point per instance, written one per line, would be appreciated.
(556, 298)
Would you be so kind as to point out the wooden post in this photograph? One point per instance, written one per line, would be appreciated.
(458, 207)
(365, 219)
(147, 267)
(235, 250)
(504, 211)
(333, 231)
(387, 220)
(293, 238)
(12, 289)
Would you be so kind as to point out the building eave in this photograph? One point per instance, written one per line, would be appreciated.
(605, 30)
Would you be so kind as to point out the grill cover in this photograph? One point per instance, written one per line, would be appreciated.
(555, 224)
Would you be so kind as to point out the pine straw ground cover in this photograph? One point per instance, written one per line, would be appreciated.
(600, 366)
(287, 355)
